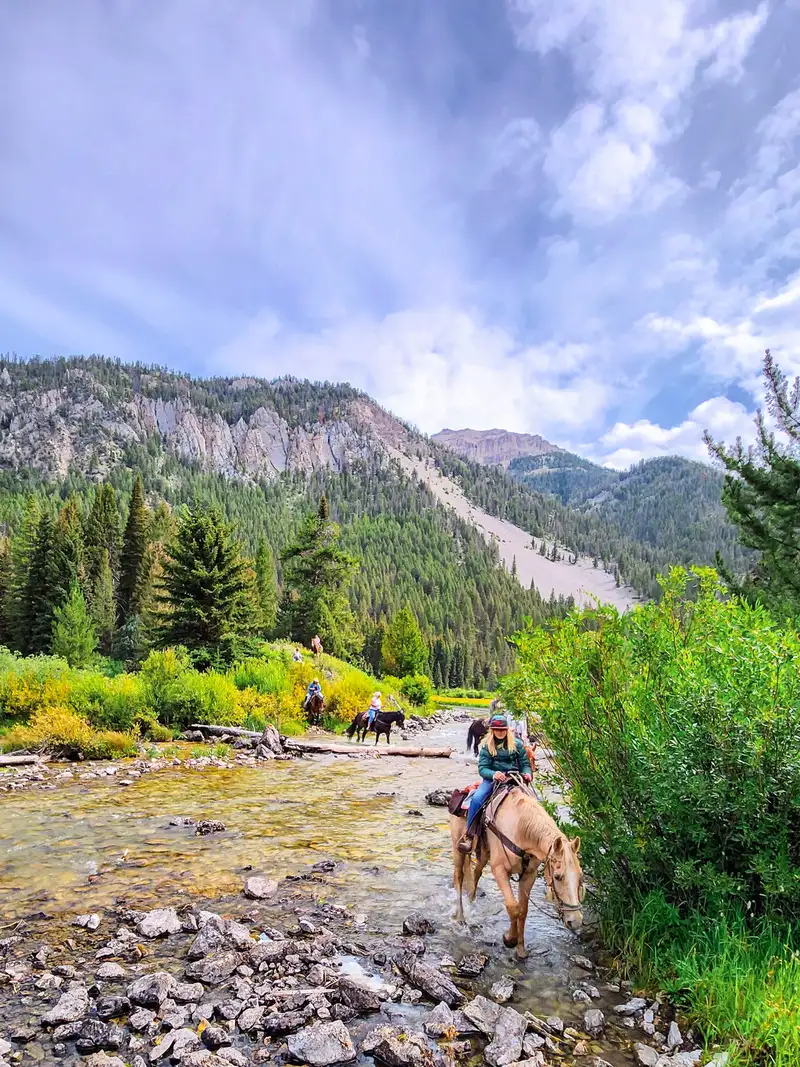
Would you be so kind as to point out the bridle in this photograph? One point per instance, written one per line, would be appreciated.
(562, 907)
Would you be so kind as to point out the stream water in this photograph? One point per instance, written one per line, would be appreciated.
(85, 846)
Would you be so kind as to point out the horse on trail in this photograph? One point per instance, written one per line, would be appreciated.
(478, 729)
(382, 724)
(314, 709)
(519, 835)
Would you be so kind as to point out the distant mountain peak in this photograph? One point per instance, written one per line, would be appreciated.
(494, 448)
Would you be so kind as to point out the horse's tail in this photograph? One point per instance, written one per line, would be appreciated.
(351, 729)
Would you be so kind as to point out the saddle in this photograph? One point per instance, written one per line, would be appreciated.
(486, 818)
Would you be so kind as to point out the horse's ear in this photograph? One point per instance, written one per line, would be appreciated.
(576, 845)
(558, 847)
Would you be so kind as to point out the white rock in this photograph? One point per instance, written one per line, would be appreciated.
(646, 1056)
(257, 888)
(674, 1036)
(160, 923)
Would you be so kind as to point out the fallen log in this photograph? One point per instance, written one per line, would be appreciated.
(20, 761)
(226, 731)
(354, 750)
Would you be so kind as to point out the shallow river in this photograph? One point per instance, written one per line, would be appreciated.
(84, 846)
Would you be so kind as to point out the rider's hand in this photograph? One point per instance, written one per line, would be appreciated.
(500, 776)
(527, 777)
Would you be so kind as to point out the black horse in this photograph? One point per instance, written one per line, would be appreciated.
(476, 733)
(382, 724)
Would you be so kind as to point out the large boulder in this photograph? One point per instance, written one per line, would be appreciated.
(270, 740)
(397, 1048)
(594, 1022)
(484, 1014)
(258, 888)
(151, 990)
(440, 1021)
(71, 1006)
(321, 1045)
(430, 980)
(213, 970)
(358, 996)
(506, 1045)
(160, 923)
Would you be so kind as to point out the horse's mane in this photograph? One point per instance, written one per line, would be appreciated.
(534, 821)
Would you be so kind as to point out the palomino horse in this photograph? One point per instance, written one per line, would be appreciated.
(314, 709)
(382, 724)
(521, 837)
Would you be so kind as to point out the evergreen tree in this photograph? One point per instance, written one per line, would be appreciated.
(22, 545)
(74, 637)
(404, 649)
(316, 573)
(102, 606)
(67, 565)
(102, 533)
(266, 588)
(762, 498)
(36, 623)
(132, 577)
(204, 588)
(6, 575)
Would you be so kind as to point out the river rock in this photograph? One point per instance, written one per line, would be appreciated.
(96, 1035)
(214, 969)
(594, 1022)
(503, 990)
(439, 1022)
(646, 1056)
(680, 1059)
(67, 1031)
(674, 1036)
(358, 996)
(431, 981)
(484, 1014)
(531, 1044)
(582, 962)
(101, 1059)
(209, 826)
(472, 964)
(397, 1048)
(321, 1045)
(631, 1007)
(251, 1019)
(88, 922)
(112, 1007)
(71, 1006)
(287, 1022)
(141, 1019)
(215, 1037)
(151, 990)
(417, 925)
(159, 923)
(509, 1031)
(580, 996)
(109, 972)
(596, 1061)
(175, 1044)
(439, 798)
(257, 888)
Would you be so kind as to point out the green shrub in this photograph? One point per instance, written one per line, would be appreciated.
(62, 733)
(163, 677)
(417, 689)
(678, 727)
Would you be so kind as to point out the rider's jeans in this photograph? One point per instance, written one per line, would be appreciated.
(477, 800)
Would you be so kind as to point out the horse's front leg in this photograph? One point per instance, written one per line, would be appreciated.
(512, 907)
(481, 861)
(525, 886)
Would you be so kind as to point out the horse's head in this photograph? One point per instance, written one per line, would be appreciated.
(564, 879)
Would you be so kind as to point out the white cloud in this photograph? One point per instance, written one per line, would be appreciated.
(627, 443)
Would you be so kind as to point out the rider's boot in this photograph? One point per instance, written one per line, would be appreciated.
(466, 844)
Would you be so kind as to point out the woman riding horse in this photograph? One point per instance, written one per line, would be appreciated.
(500, 755)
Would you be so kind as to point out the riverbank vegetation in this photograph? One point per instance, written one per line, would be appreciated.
(677, 728)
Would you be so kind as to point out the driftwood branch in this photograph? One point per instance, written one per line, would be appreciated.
(352, 750)
(226, 731)
(20, 761)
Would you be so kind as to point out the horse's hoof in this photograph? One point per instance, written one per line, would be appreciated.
(522, 953)
(509, 942)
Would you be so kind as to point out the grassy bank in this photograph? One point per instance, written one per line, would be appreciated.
(103, 713)
(737, 980)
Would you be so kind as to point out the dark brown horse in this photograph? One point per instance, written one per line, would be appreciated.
(382, 724)
(476, 733)
(314, 709)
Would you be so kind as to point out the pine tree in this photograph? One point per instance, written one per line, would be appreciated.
(36, 623)
(514, 567)
(6, 575)
(19, 617)
(404, 649)
(316, 573)
(74, 638)
(204, 588)
(102, 606)
(762, 498)
(266, 588)
(132, 578)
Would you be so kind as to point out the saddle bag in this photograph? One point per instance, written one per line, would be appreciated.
(456, 800)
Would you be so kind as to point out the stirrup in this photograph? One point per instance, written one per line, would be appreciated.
(466, 844)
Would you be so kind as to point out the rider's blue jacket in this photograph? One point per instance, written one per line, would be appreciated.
(506, 760)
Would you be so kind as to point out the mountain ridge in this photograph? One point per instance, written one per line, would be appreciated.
(496, 447)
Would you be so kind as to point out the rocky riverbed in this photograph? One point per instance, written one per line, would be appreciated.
(283, 912)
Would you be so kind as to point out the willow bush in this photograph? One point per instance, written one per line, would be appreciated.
(677, 728)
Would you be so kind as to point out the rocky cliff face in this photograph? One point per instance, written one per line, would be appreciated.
(494, 447)
(81, 425)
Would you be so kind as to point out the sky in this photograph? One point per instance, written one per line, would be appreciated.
(578, 218)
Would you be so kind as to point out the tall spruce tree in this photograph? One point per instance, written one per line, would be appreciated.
(404, 649)
(74, 637)
(38, 607)
(266, 588)
(102, 606)
(316, 573)
(204, 588)
(6, 575)
(22, 545)
(762, 497)
(132, 577)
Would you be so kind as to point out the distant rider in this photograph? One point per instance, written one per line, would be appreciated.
(314, 689)
(499, 756)
(374, 708)
(316, 645)
(297, 656)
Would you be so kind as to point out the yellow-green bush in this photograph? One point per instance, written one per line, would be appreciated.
(61, 732)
